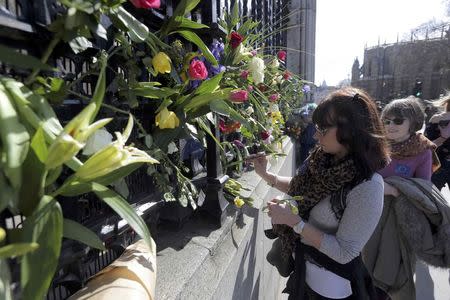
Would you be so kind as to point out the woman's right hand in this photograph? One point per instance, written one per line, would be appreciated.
(390, 190)
(260, 164)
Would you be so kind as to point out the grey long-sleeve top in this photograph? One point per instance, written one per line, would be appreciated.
(343, 240)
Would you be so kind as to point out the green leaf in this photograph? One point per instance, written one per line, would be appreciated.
(44, 227)
(8, 195)
(247, 26)
(33, 109)
(162, 137)
(118, 174)
(194, 38)
(184, 7)
(12, 57)
(137, 31)
(100, 87)
(75, 188)
(203, 125)
(205, 99)
(5, 280)
(183, 22)
(14, 139)
(79, 44)
(123, 209)
(210, 85)
(223, 108)
(78, 232)
(150, 91)
(164, 104)
(31, 192)
(235, 14)
(17, 249)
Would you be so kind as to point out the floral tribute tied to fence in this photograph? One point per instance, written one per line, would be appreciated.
(107, 105)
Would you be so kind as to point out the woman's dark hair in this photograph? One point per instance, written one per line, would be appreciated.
(359, 127)
(408, 108)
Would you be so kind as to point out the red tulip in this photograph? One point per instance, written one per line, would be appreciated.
(265, 135)
(235, 39)
(244, 74)
(239, 96)
(282, 55)
(286, 75)
(274, 97)
(146, 3)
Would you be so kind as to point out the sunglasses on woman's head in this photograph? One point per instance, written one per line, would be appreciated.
(443, 123)
(396, 121)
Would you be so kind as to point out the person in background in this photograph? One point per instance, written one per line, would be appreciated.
(342, 200)
(438, 130)
(307, 141)
(411, 152)
(411, 157)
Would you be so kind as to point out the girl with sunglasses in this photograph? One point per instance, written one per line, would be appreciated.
(438, 130)
(411, 152)
(411, 157)
(342, 199)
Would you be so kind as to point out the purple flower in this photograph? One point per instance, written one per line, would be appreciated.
(239, 144)
(217, 49)
(306, 88)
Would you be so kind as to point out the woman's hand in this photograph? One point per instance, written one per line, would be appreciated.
(260, 163)
(282, 213)
(390, 190)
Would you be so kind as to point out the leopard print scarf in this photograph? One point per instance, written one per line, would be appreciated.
(416, 144)
(413, 146)
(320, 178)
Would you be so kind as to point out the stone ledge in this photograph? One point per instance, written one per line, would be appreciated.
(192, 261)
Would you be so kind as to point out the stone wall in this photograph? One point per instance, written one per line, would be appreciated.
(391, 71)
(203, 262)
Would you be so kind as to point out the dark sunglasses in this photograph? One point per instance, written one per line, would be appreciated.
(322, 131)
(396, 121)
(443, 123)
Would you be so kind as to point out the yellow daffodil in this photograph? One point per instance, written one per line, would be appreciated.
(167, 119)
(238, 202)
(113, 157)
(162, 63)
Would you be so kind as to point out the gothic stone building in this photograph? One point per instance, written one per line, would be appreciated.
(397, 70)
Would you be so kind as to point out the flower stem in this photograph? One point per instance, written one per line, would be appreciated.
(141, 128)
(44, 58)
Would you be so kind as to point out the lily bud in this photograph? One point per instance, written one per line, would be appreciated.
(113, 157)
(73, 137)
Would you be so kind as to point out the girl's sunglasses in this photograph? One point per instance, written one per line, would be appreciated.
(443, 123)
(396, 121)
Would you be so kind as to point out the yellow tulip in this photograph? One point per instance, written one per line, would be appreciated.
(238, 202)
(161, 63)
(167, 119)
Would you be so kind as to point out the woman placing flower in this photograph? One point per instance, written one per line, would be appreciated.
(342, 200)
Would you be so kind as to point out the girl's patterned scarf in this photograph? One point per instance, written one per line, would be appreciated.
(413, 146)
(322, 177)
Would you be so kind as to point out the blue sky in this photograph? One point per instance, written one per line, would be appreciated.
(343, 28)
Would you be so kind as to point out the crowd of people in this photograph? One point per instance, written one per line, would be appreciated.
(370, 205)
